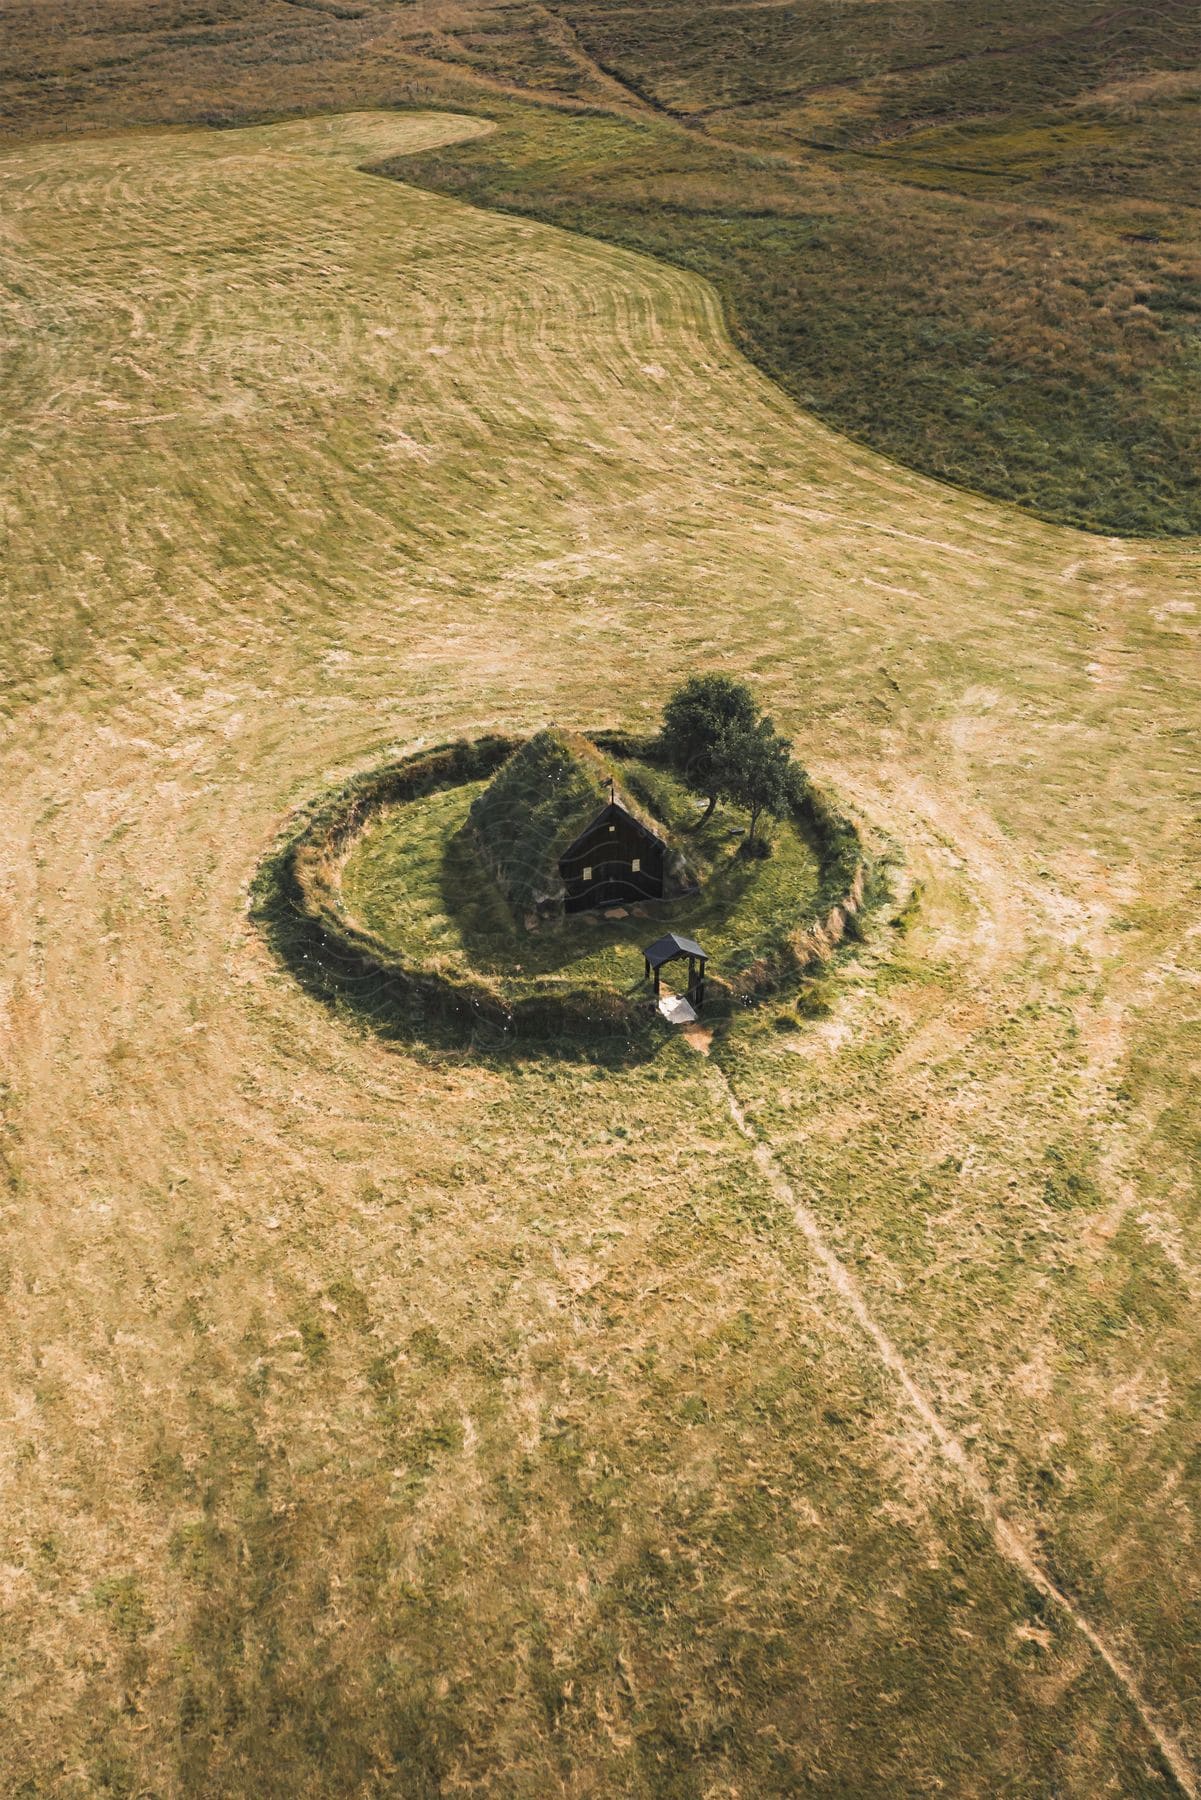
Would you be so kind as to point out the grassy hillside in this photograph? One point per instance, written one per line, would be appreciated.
(383, 1421)
(981, 324)
(965, 234)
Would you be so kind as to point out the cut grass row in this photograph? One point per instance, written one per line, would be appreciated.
(386, 1418)
(964, 235)
(1004, 342)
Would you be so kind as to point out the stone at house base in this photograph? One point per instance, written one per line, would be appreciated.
(676, 1010)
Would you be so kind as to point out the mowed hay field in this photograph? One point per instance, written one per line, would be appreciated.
(388, 1420)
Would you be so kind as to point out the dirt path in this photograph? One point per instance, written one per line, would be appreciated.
(307, 466)
(1006, 1537)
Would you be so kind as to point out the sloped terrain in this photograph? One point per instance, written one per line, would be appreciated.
(384, 1421)
(965, 234)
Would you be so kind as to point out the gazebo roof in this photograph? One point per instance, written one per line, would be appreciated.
(664, 949)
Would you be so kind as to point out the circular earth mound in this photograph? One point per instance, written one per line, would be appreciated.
(382, 903)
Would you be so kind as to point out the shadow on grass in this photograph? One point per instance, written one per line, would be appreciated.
(424, 1009)
(596, 1017)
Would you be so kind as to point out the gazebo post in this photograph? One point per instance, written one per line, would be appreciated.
(667, 949)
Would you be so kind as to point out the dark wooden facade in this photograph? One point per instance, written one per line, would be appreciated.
(615, 861)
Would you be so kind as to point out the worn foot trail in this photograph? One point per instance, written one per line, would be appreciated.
(387, 1420)
(1009, 1542)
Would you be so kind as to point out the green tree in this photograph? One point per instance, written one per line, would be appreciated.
(758, 773)
(696, 721)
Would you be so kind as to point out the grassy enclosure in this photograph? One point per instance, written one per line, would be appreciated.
(402, 900)
(415, 880)
(391, 1419)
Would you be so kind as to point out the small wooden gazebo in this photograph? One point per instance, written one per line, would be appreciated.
(667, 949)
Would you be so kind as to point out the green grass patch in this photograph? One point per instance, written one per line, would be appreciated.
(416, 881)
(907, 296)
(383, 906)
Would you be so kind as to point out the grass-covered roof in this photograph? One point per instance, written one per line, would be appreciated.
(537, 804)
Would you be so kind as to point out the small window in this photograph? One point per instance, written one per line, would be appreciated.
(587, 876)
(612, 829)
(636, 864)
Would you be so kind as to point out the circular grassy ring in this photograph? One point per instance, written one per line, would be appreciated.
(298, 903)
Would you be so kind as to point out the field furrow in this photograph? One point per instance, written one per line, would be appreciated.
(390, 1420)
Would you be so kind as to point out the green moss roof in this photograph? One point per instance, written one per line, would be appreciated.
(536, 804)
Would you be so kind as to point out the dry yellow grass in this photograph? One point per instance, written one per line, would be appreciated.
(387, 1423)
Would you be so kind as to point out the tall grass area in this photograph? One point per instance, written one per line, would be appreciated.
(963, 233)
(1017, 343)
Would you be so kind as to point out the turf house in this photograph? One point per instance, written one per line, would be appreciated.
(562, 837)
